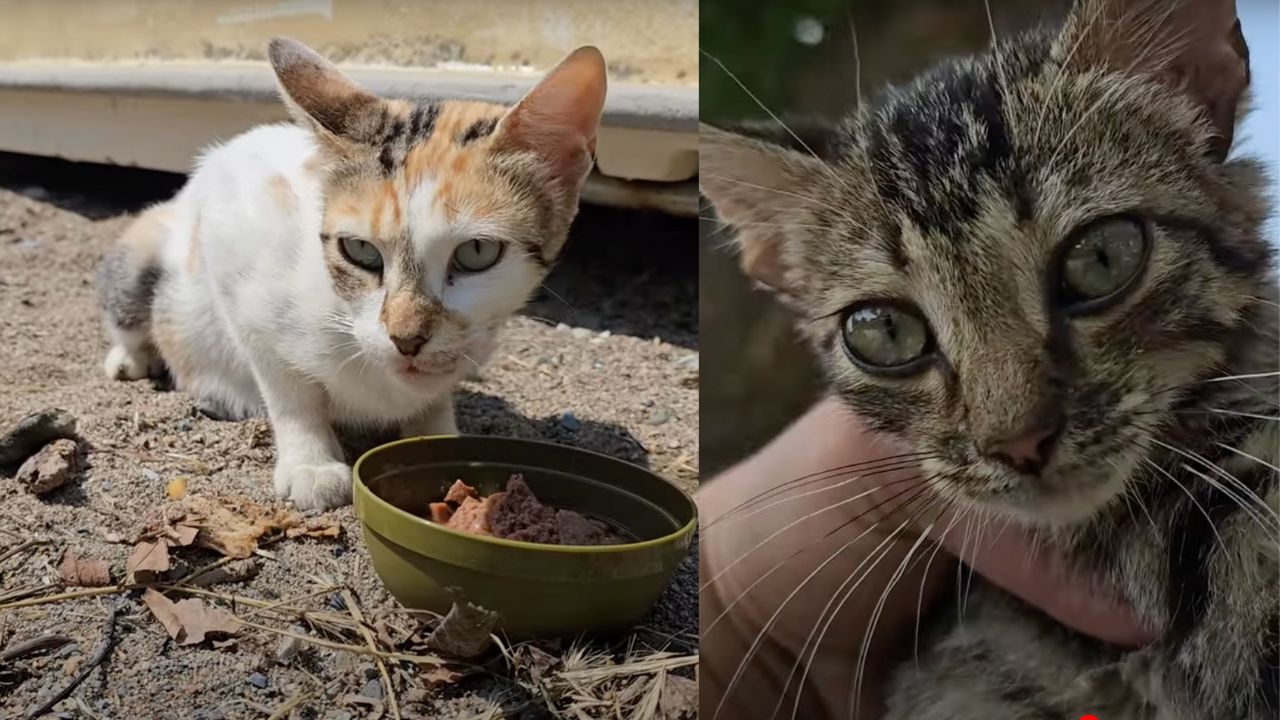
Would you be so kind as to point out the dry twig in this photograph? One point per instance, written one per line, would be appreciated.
(100, 654)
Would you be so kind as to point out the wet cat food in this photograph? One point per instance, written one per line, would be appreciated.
(516, 514)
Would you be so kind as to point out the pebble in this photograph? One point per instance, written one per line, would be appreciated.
(562, 327)
(372, 689)
(369, 672)
(68, 650)
(660, 416)
(581, 332)
(647, 402)
(51, 467)
(184, 425)
(258, 680)
(34, 432)
(569, 421)
(337, 603)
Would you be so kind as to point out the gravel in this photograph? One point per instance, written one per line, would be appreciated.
(631, 275)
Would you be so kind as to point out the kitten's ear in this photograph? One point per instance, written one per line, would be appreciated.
(320, 97)
(759, 189)
(1196, 46)
(560, 116)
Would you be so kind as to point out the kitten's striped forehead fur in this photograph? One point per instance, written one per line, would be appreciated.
(955, 194)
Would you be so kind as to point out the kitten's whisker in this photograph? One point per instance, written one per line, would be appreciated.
(1240, 452)
(920, 596)
(1229, 478)
(572, 310)
(855, 697)
(1224, 378)
(795, 522)
(762, 106)
(750, 511)
(811, 644)
(857, 59)
(829, 473)
(1062, 72)
(868, 469)
(797, 196)
(755, 644)
(1212, 525)
(1248, 509)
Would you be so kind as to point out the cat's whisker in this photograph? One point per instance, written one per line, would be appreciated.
(1208, 518)
(803, 518)
(760, 224)
(744, 183)
(750, 512)
(1227, 477)
(857, 58)
(1242, 453)
(1252, 512)
(573, 311)
(920, 596)
(855, 697)
(772, 620)
(829, 473)
(811, 645)
(757, 101)
(1224, 378)
(1057, 79)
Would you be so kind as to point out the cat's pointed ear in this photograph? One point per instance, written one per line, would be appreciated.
(320, 97)
(760, 190)
(560, 116)
(1196, 46)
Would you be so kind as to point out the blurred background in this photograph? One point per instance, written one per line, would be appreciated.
(797, 57)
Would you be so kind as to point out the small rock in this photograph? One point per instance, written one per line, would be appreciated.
(51, 467)
(647, 402)
(372, 689)
(569, 421)
(34, 432)
(689, 362)
(581, 333)
(72, 666)
(68, 650)
(337, 603)
(184, 425)
(289, 646)
(369, 672)
(660, 416)
(339, 551)
(562, 327)
(258, 680)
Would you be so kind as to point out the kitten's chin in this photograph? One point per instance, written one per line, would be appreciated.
(1063, 499)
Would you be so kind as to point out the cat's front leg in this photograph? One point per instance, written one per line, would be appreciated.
(309, 470)
(437, 420)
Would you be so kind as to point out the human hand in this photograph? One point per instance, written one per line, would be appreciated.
(794, 574)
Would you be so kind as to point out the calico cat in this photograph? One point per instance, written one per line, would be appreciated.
(1040, 267)
(351, 268)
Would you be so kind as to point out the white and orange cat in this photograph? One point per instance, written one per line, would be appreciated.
(351, 268)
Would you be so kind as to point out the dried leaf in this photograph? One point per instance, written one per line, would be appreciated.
(465, 632)
(320, 527)
(442, 675)
(76, 571)
(233, 525)
(189, 621)
(176, 489)
(185, 534)
(679, 698)
(149, 556)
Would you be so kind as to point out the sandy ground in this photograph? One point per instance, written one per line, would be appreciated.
(614, 343)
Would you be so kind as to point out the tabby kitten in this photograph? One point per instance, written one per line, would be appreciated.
(351, 268)
(1040, 267)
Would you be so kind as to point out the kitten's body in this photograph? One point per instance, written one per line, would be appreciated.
(351, 269)
(956, 196)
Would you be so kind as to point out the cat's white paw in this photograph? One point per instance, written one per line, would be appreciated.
(121, 365)
(314, 487)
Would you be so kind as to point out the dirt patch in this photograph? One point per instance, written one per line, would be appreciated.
(618, 376)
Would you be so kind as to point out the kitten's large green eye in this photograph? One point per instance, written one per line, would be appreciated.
(885, 338)
(1100, 261)
(477, 255)
(361, 253)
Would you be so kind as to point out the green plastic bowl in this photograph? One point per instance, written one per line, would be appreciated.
(538, 590)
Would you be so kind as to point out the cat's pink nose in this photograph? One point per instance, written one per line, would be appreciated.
(409, 346)
(1026, 450)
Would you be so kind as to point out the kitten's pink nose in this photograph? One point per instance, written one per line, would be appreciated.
(1028, 449)
(409, 346)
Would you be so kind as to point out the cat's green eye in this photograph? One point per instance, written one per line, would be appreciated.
(1100, 262)
(477, 255)
(361, 253)
(886, 338)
